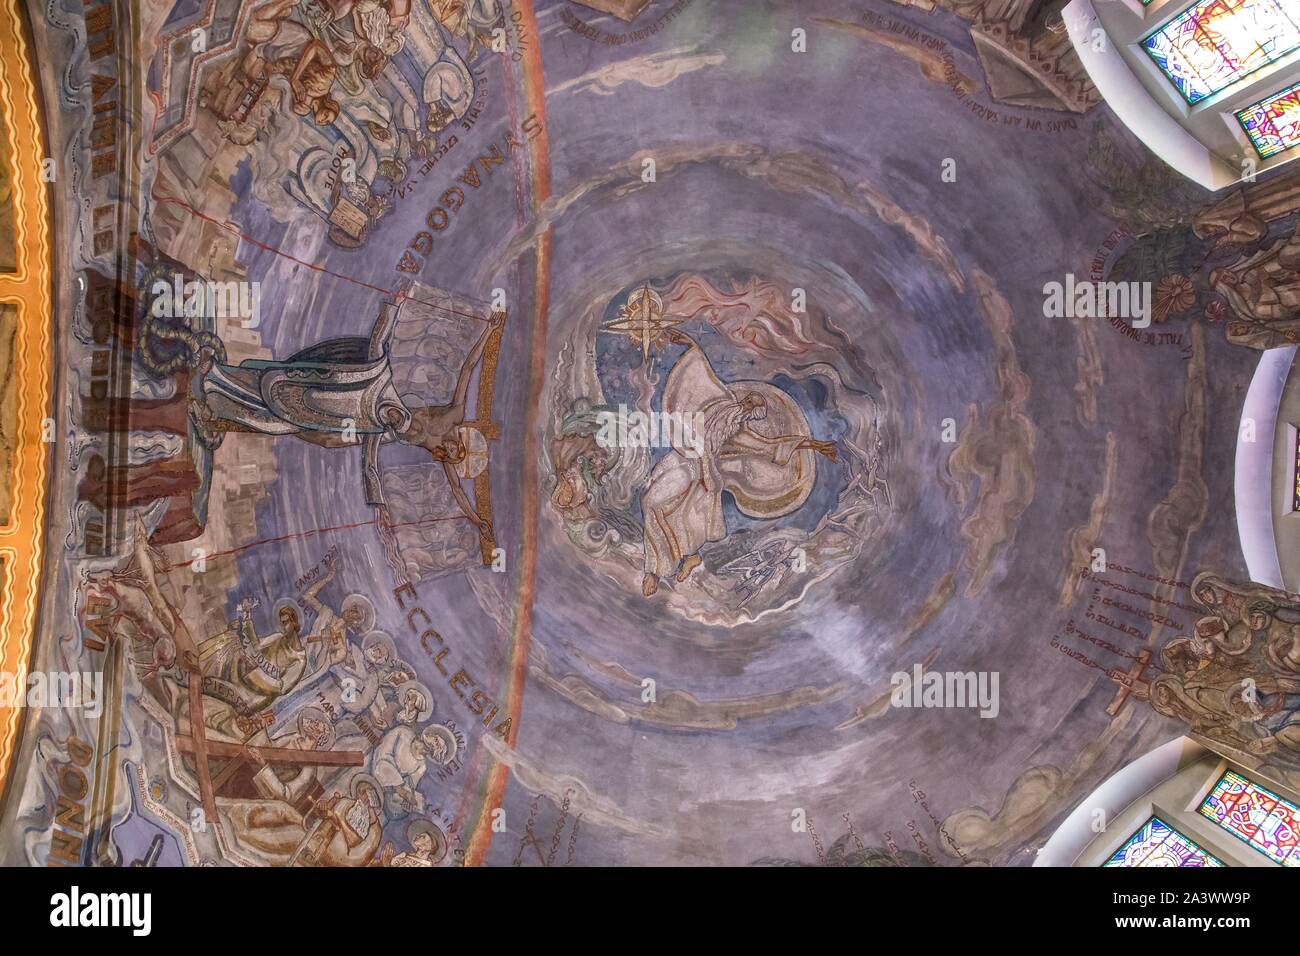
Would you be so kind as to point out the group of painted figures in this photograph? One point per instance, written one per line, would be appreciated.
(343, 100)
(1236, 678)
(324, 730)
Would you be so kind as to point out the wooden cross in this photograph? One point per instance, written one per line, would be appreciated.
(1130, 682)
(187, 650)
(239, 754)
(282, 755)
(491, 430)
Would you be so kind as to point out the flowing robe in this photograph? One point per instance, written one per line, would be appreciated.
(334, 387)
(399, 769)
(768, 476)
(250, 672)
(410, 859)
(354, 830)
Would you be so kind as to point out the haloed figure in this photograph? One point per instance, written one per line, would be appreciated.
(767, 476)
(340, 393)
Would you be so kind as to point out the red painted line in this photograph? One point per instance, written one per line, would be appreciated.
(314, 531)
(398, 294)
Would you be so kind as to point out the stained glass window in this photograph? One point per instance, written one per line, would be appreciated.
(1261, 818)
(1216, 43)
(1159, 844)
(1273, 124)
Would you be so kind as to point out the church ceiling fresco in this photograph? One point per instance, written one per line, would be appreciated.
(535, 432)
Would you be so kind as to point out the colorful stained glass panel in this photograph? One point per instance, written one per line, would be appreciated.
(1266, 821)
(1159, 844)
(1216, 43)
(1273, 124)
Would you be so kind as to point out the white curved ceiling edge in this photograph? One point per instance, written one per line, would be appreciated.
(1135, 108)
(1253, 469)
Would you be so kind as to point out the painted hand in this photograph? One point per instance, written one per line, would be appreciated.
(826, 449)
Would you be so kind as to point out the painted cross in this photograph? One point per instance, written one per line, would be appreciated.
(1130, 682)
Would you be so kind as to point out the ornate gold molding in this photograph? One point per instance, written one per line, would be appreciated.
(27, 290)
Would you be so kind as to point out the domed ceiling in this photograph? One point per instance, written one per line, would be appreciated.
(629, 432)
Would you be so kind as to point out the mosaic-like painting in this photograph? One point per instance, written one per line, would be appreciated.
(634, 432)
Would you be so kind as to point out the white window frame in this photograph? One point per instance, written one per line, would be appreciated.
(1145, 100)
(1170, 783)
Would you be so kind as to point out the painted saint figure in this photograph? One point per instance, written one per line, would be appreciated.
(336, 393)
(756, 446)
(332, 629)
(428, 847)
(277, 45)
(345, 831)
(250, 671)
(400, 761)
